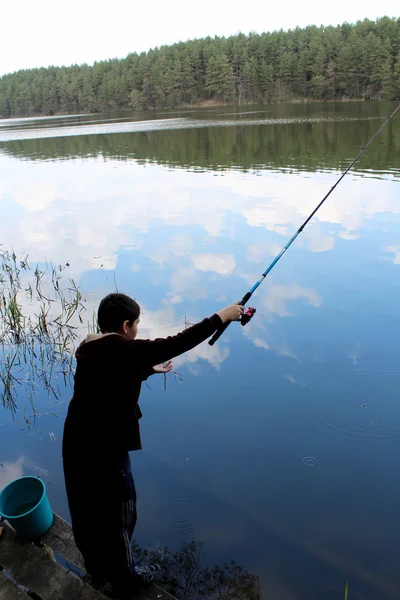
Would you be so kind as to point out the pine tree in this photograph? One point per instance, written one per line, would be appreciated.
(87, 100)
(396, 77)
(374, 58)
(238, 53)
(250, 75)
(266, 79)
(219, 78)
(136, 100)
(350, 66)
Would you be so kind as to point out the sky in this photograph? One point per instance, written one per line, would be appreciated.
(43, 33)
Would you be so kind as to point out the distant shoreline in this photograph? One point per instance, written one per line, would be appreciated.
(201, 104)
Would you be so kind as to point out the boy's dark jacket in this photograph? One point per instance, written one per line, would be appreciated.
(104, 413)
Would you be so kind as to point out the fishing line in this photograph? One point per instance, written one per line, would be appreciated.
(251, 311)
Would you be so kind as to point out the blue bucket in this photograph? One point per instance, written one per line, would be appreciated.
(25, 505)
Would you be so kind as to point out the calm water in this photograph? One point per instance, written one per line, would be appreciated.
(280, 449)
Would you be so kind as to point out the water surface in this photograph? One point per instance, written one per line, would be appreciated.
(279, 450)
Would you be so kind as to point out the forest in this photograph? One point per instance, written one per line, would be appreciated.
(350, 61)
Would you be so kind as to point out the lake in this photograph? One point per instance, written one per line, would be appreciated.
(280, 448)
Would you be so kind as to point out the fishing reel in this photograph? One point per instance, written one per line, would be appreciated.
(247, 315)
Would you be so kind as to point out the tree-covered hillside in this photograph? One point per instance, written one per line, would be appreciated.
(348, 61)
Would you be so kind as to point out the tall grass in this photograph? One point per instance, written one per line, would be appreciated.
(41, 309)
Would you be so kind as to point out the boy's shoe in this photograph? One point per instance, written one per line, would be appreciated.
(143, 577)
(147, 574)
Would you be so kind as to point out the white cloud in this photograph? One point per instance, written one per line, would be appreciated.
(321, 243)
(174, 299)
(260, 343)
(182, 244)
(257, 252)
(185, 284)
(16, 469)
(349, 235)
(288, 353)
(394, 250)
(160, 253)
(218, 263)
(278, 296)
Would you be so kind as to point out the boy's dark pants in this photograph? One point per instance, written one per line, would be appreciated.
(102, 502)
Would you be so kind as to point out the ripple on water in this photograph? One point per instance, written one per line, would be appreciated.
(41, 130)
(180, 514)
(357, 402)
(309, 461)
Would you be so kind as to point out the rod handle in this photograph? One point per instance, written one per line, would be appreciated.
(219, 332)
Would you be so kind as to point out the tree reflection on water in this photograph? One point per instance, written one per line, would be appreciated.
(186, 578)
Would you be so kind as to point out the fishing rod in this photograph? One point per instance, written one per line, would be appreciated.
(249, 313)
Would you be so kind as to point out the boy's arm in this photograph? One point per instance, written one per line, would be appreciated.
(153, 352)
(147, 372)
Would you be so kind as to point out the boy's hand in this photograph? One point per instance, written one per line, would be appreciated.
(164, 368)
(231, 313)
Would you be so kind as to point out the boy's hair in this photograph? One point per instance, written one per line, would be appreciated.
(114, 309)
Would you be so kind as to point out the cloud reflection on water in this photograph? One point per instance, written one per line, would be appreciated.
(23, 465)
(85, 212)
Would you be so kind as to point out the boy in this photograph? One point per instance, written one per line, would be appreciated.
(102, 426)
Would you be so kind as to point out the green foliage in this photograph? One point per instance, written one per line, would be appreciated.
(347, 61)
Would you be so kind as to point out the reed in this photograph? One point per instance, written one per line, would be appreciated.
(41, 311)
